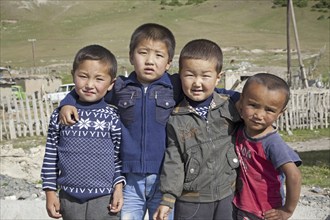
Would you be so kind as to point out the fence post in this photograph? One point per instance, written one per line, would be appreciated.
(35, 113)
(23, 117)
(28, 113)
(11, 124)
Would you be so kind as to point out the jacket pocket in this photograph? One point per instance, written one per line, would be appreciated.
(164, 107)
(192, 169)
(126, 109)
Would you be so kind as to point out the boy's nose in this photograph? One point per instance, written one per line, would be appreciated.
(150, 60)
(89, 84)
(259, 114)
(197, 82)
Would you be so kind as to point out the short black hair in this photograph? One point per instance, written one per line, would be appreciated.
(272, 82)
(155, 32)
(96, 52)
(202, 49)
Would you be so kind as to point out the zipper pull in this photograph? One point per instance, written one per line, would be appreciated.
(156, 95)
(132, 95)
(207, 126)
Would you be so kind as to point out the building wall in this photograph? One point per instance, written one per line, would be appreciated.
(34, 85)
(5, 91)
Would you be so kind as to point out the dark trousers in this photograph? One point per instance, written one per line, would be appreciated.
(218, 210)
(94, 209)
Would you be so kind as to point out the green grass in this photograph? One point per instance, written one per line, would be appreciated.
(305, 135)
(316, 168)
(63, 28)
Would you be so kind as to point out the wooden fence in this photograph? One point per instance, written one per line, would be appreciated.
(21, 118)
(307, 109)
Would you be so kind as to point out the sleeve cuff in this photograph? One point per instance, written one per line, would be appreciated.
(168, 200)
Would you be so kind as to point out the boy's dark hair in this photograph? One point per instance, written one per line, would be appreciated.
(96, 52)
(272, 82)
(155, 32)
(202, 49)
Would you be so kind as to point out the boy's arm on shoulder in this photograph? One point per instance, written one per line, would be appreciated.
(69, 99)
(234, 95)
(177, 88)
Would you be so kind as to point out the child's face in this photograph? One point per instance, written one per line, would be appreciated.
(199, 78)
(92, 80)
(260, 107)
(150, 60)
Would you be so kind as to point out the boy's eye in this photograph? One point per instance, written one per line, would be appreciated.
(142, 52)
(207, 76)
(188, 74)
(160, 55)
(270, 110)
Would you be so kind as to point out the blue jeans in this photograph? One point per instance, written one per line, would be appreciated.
(141, 194)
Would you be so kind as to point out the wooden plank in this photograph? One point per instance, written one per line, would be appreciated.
(36, 116)
(24, 122)
(42, 116)
(29, 117)
(4, 122)
(1, 134)
(18, 119)
(11, 123)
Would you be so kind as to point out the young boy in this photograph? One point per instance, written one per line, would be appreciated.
(266, 160)
(82, 160)
(145, 99)
(199, 170)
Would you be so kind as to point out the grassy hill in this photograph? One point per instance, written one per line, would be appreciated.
(62, 27)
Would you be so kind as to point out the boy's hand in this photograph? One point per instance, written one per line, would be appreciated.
(162, 213)
(277, 214)
(117, 199)
(52, 204)
(68, 115)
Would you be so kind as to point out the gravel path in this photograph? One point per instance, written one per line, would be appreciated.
(21, 196)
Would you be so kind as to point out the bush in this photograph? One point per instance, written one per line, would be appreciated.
(322, 4)
(284, 3)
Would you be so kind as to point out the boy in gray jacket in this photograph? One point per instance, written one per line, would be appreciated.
(198, 173)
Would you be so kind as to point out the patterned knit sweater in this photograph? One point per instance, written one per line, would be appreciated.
(82, 159)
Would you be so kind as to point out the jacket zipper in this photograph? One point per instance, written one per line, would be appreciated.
(144, 127)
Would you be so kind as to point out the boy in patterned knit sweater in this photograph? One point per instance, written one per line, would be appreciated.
(82, 160)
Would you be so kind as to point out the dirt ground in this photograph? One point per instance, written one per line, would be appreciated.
(19, 164)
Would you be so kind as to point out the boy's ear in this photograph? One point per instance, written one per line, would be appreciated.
(238, 105)
(168, 65)
(112, 83)
(219, 75)
(72, 74)
(131, 58)
(281, 113)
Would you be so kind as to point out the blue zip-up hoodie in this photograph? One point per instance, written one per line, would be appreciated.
(144, 114)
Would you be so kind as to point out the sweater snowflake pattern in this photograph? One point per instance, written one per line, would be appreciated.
(82, 159)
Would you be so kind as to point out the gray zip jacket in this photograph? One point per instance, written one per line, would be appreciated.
(200, 161)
